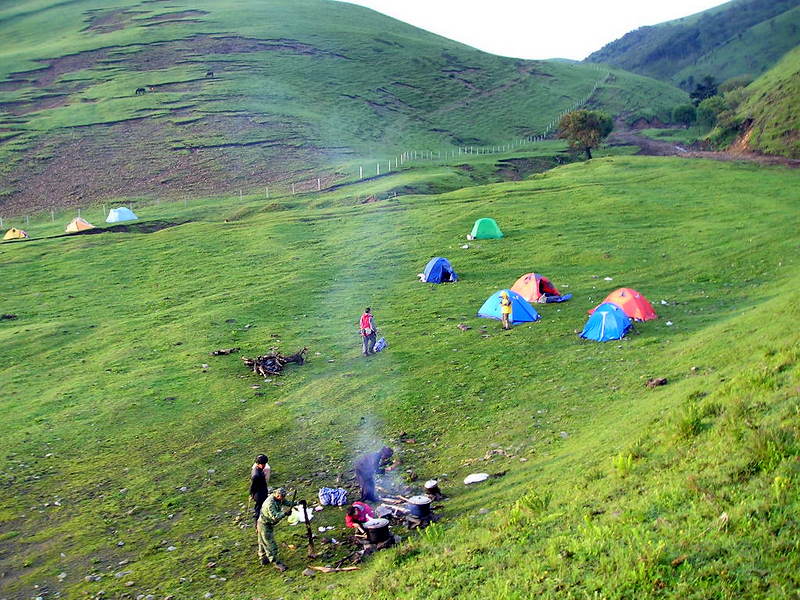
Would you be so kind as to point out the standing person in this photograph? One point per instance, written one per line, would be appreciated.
(505, 310)
(366, 326)
(271, 515)
(259, 483)
(358, 513)
(366, 468)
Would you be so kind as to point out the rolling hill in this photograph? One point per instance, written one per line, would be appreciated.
(108, 99)
(739, 38)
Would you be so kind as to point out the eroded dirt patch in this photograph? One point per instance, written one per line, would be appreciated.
(23, 107)
(106, 21)
(185, 14)
(56, 67)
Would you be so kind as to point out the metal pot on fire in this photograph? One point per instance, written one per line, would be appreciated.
(419, 506)
(377, 530)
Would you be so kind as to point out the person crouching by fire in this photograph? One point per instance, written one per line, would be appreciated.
(368, 466)
(358, 513)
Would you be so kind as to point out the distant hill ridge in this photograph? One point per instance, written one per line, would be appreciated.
(125, 98)
(743, 37)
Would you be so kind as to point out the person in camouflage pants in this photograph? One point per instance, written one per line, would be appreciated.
(271, 515)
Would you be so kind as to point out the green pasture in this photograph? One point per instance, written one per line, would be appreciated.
(611, 489)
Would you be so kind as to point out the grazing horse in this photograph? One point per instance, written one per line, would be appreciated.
(210, 74)
(140, 91)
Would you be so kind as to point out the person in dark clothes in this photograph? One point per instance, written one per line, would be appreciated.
(366, 468)
(259, 483)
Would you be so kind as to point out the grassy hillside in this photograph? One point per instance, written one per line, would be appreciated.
(742, 37)
(771, 111)
(683, 491)
(300, 89)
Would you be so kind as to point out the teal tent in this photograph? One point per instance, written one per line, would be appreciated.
(486, 229)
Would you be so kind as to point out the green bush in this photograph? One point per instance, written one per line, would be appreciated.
(685, 114)
(709, 109)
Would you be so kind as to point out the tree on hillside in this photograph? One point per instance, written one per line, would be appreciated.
(709, 110)
(585, 129)
(685, 114)
(705, 89)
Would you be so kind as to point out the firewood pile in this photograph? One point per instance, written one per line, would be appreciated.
(273, 363)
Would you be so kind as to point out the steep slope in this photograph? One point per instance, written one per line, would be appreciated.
(742, 37)
(125, 459)
(115, 98)
(771, 113)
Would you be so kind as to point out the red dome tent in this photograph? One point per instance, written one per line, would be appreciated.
(533, 287)
(632, 303)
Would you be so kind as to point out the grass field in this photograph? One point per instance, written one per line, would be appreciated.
(683, 491)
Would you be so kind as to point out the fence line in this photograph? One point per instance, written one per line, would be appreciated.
(401, 159)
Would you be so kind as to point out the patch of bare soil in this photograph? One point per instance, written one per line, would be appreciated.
(148, 158)
(625, 136)
(42, 103)
(146, 227)
(230, 44)
(56, 67)
(106, 21)
(185, 14)
(517, 169)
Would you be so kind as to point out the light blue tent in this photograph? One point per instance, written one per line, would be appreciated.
(521, 311)
(608, 322)
(116, 215)
(439, 270)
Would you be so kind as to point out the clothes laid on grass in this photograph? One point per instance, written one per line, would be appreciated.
(332, 496)
(381, 345)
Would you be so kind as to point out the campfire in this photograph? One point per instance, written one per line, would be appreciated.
(272, 364)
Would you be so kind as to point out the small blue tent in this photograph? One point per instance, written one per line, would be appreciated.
(608, 322)
(521, 311)
(439, 270)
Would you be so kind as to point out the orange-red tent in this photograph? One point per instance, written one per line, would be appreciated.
(533, 286)
(78, 224)
(632, 303)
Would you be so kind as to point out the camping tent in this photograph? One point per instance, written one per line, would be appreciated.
(486, 229)
(533, 287)
(439, 270)
(608, 322)
(78, 224)
(15, 234)
(115, 215)
(521, 311)
(633, 303)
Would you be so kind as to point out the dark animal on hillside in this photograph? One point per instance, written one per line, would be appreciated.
(140, 91)
(210, 74)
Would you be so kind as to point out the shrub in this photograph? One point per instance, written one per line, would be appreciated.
(709, 109)
(690, 421)
(685, 114)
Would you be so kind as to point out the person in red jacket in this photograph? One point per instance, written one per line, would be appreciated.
(366, 326)
(358, 513)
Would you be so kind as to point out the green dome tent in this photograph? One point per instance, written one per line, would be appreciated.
(486, 229)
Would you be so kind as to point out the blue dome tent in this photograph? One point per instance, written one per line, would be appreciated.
(608, 322)
(439, 270)
(521, 311)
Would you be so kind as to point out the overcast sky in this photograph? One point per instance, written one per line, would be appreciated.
(536, 28)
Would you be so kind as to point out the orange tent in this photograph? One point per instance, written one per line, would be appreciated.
(632, 303)
(533, 287)
(78, 224)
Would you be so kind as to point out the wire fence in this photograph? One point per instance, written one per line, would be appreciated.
(368, 170)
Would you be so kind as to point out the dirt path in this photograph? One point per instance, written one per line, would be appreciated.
(623, 135)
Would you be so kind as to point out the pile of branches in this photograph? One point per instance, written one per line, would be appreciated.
(272, 364)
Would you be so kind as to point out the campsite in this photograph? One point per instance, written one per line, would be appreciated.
(633, 435)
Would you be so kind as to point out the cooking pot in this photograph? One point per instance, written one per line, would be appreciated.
(419, 506)
(377, 530)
